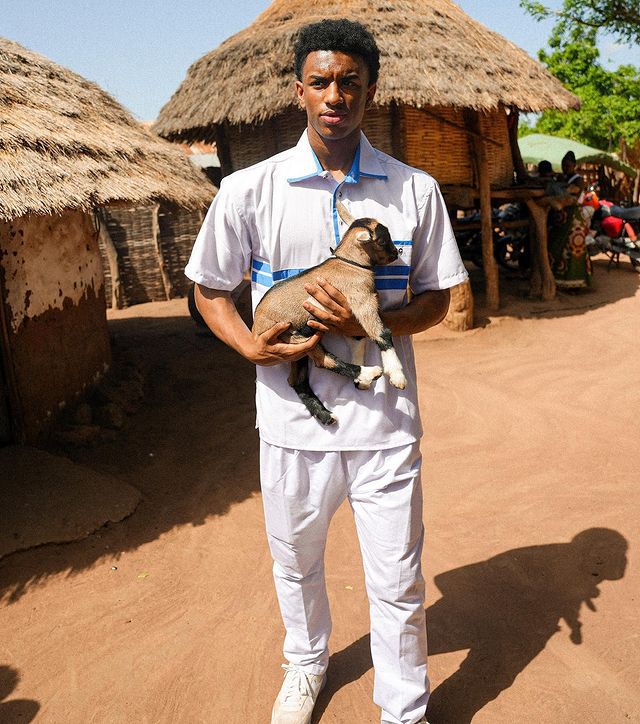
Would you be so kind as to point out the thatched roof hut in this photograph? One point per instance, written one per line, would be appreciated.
(448, 96)
(65, 143)
(66, 147)
(433, 54)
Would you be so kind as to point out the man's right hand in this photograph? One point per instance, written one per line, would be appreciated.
(267, 349)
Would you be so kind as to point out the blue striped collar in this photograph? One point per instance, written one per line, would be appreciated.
(304, 164)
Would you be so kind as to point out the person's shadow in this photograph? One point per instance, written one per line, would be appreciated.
(504, 610)
(14, 710)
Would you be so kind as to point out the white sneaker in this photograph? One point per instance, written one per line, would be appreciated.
(294, 704)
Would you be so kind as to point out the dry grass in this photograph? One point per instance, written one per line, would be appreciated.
(65, 143)
(433, 54)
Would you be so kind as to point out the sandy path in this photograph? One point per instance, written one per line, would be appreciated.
(532, 433)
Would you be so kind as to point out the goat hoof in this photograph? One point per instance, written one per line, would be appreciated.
(367, 376)
(327, 418)
(398, 380)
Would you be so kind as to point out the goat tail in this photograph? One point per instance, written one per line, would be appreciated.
(299, 380)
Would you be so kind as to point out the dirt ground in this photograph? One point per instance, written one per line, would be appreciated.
(531, 498)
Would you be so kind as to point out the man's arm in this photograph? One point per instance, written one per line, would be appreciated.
(423, 311)
(222, 318)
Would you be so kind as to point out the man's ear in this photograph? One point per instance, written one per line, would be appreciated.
(371, 91)
(300, 93)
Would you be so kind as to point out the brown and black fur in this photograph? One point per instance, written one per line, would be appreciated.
(366, 243)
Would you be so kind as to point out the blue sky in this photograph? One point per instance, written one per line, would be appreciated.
(139, 50)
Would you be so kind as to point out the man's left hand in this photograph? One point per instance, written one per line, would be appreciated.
(336, 315)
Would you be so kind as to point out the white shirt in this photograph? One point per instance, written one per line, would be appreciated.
(279, 217)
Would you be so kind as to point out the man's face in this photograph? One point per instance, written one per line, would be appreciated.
(335, 92)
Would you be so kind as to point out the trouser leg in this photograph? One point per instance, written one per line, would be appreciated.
(386, 497)
(301, 490)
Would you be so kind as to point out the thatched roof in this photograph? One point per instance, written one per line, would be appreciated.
(433, 54)
(65, 143)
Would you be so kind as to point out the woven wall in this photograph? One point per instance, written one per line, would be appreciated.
(133, 232)
(429, 141)
(494, 125)
(434, 144)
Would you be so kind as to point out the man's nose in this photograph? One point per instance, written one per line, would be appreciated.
(333, 94)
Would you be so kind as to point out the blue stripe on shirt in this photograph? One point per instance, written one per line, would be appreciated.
(386, 284)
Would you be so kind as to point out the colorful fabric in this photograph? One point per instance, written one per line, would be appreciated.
(570, 263)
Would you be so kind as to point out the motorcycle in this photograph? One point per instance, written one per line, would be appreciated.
(614, 229)
(510, 238)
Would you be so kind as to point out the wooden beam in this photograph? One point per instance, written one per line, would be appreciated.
(481, 162)
(162, 264)
(518, 164)
(117, 290)
(398, 132)
(542, 282)
(223, 150)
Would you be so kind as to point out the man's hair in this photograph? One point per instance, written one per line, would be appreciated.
(344, 36)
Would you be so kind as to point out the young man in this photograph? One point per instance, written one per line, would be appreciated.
(277, 218)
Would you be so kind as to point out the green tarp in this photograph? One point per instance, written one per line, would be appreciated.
(537, 146)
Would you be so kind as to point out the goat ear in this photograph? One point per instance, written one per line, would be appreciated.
(363, 236)
(344, 214)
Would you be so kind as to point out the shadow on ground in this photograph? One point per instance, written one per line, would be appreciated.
(611, 283)
(191, 450)
(13, 711)
(504, 610)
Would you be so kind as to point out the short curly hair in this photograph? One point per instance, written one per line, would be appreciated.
(345, 36)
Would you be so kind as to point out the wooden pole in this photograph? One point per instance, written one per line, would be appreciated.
(542, 282)
(223, 150)
(117, 291)
(479, 155)
(518, 164)
(162, 265)
(398, 132)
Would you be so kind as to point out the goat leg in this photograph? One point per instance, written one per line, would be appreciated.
(299, 380)
(361, 376)
(381, 335)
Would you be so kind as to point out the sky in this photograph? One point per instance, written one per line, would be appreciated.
(139, 50)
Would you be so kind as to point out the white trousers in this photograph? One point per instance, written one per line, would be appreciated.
(301, 490)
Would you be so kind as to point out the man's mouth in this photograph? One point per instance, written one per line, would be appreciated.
(332, 119)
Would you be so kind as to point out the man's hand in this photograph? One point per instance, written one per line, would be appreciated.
(268, 350)
(221, 315)
(337, 316)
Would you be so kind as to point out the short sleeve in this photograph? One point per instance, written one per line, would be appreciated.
(435, 260)
(222, 250)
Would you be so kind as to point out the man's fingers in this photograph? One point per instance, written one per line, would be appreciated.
(332, 291)
(274, 332)
(327, 301)
(317, 324)
(321, 315)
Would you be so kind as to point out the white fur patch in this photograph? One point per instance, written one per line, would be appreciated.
(393, 368)
(367, 376)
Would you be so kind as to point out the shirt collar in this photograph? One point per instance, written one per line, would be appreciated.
(304, 163)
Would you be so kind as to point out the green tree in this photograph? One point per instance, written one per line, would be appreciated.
(620, 18)
(609, 116)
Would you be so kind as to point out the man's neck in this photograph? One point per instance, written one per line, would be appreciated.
(335, 156)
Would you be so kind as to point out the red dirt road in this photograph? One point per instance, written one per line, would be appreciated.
(532, 433)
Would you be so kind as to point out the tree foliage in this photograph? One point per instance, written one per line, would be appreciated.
(609, 116)
(619, 18)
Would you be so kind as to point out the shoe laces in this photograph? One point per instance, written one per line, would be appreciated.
(297, 685)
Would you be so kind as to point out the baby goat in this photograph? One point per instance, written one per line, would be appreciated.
(366, 243)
